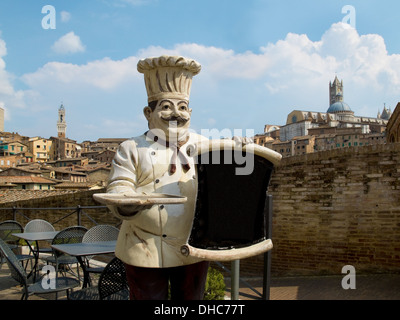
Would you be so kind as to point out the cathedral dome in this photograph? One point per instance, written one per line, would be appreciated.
(339, 106)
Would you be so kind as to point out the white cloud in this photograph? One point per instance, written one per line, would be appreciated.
(105, 74)
(9, 97)
(295, 60)
(258, 87)
(69, 43)
(65, 16)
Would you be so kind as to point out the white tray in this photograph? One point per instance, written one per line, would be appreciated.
(124, 199)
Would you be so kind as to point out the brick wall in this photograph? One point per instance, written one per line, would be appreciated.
(335, 208)
(71, 200)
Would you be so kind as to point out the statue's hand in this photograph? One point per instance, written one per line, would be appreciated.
(133, 209)
(130, 211)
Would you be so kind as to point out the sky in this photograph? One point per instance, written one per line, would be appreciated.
(260, 59)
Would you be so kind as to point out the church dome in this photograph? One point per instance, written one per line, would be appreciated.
(338, 106)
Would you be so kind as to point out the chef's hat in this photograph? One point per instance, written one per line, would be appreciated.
(168, 76)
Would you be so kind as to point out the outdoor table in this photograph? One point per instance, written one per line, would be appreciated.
(35, 237)
(82, 249)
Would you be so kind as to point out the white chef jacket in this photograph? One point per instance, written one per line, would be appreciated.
(153, 237)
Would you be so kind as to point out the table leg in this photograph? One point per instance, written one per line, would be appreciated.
(35, 266)
(86, 276)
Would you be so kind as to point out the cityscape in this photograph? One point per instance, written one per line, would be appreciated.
(57, 162)
(308, 131)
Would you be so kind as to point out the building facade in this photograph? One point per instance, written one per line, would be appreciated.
(338, 127)
(40, 148)
(393, 126)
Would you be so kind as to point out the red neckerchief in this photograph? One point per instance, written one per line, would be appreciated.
(175, 152)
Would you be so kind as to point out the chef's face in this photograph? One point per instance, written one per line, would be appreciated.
(172, 116)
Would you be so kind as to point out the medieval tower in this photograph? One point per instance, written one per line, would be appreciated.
(61, 124)
(335, 91)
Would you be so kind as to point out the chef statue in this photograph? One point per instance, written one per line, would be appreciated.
(157, 162)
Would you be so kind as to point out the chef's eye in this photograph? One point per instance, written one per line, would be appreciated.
(165, 107)
(183, 108)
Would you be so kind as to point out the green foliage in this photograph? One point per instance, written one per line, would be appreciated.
(215, 285)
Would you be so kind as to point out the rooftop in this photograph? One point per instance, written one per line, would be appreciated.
(9, 196)
(25, 179)
(339, 106)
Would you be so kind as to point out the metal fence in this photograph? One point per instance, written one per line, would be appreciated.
(61, 216)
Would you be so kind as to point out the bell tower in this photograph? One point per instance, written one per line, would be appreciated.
(61, 124)
(335, 91)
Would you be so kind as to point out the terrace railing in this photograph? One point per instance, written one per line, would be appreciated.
(64, 216)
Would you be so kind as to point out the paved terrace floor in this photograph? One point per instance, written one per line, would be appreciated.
(368, 287)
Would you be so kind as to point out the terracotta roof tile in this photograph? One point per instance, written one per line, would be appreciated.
(7, 196)
(25, 179)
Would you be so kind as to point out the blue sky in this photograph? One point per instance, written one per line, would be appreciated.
(260, 60)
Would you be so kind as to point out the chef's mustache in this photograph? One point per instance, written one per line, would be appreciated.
(175, 118)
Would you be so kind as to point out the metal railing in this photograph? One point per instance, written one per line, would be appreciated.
(79, 211)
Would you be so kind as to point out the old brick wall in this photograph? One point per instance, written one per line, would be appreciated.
(335, 208)
(71, 201)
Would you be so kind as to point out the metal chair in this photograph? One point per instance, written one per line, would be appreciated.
(18, 273)
(68, 235)
(7, 228)
(40, 225)
(112, 284)
(101, 232)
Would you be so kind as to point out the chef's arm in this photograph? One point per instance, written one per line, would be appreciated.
(122, 179)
